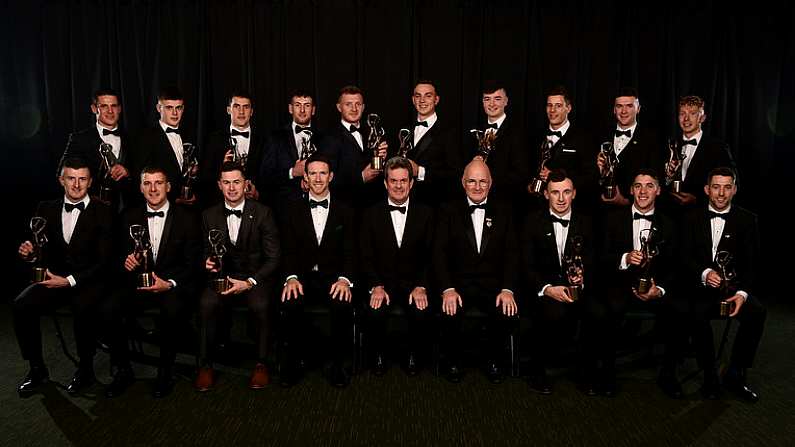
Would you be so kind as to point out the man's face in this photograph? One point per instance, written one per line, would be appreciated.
(318, 177)
(398, 185)
(720, 190)
(302, 108)
(170, 111)
(494, 104)
(477, 182)
(240, 111)
(351, 107)
(108, 111)
(155, 189)
(626, 110)
(75, 183)
(690, 119)
(645, 190)
(560, 195)
(424, 100)
(557, 110)
(233, 186)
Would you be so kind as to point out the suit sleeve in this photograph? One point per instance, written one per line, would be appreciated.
(369, 273)
(102, 249)
(270, 249)
(441, 241)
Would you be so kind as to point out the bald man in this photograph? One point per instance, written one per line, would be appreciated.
(476, 261)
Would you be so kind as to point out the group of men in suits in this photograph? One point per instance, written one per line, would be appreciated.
(442, 229)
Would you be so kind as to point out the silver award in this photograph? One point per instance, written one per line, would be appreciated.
(673, 168)
(723, 259)
(190, 164)
(142, 250)
(39, 240)
(649, 248)
(374, 137)
(109, 160)
(406, 138)
(573, 268)
(218, 250)
(307, 145)
(545, 154)
(607, 175)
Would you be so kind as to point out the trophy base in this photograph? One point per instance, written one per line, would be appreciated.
(574, 292)
(220, 285)
(610, 192)
(676, 186)
(537, 186)
(187, 192)
(726, 308)
(377, 163)
(644, 285)
(39, 274)
(146, 279)
(105, 194)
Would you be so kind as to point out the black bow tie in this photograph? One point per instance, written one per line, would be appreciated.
(692, 142)
(421, 123)
(714, 215)
(638, 216)
(68, 207)
(317, 203)
(492, 126)
(564, 222)
(236, 133)
(155, 214)
(401, 209)
(111, 132)
(354, 128)
(627, 133)
(172, 130)
(299, 129)
(229, 212)
(554, 133)
(472, 208)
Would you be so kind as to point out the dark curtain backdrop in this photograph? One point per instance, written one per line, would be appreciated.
(739, 59)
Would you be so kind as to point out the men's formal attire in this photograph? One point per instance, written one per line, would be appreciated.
(509, 160)
(250, 144)
(252, 254)
(636, 148)
(573, 150)
(161, 146)
(346, 145)
(396, 244)
(440, 161)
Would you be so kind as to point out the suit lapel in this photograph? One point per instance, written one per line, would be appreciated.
(727, 239)
(386, 222)
(172, 157)
(488, 221)
(349, 136)
(84, 216)
(425, 141)
(469, 227)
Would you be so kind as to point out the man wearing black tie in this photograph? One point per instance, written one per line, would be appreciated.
(435, 158)
(85, 145)
(251, 240)
(624, 261)
(395, 244)
(719, 231)
(175, 262)
(557, 258)
(239, 143)
(319, 257)
(78, 231)
(475, 261)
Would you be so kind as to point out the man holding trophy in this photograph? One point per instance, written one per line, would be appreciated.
(78, 234)
(162, 255)
(721, 253)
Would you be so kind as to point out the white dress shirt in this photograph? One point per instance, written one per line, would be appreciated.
(561, 233)
(690, 152)
(112, 140)
(478, 217)
(176, 142)
(242, 143)
(320, 216)
(356, 135)
(398, 220)
(233, 222)
(498, 122)
(68, 223)
(156, 225)
(620, 142)
(562, 129)
(419, 131)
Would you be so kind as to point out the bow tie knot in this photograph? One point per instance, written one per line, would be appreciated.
(691, 142)
(714, 215)
(638, 216)
(554, 133)
(69, 207)
(114, 132)
(354, 128)
(236, 133)
(627, 133)
(492, 126)
(230, 212)
(150, 214)
(318, 203)
(476, 206)
(564, 222)
(421, 123)
(307, 129)
(400, 209)
(172, 130)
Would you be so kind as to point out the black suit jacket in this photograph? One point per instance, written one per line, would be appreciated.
(152, 148)
(509, 161)
(257, 252)
(443, 160)
(540, 265)
(383, 262)
(574, 152)
(710, 154)
(348, 160)
(213, 156)
(335, 256)
(644, 151)
(279, 156)
(456, 261)
(89, 251)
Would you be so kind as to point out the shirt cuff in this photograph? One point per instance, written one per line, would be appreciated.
(252, 281)
(173, 283)
(290, 173)
(71, 280)
(447, 290)
(623, 264)
(704, 276)
(543, 289)
(507, 290)
(421, 173)
(350, 284)
(286, 280)
(743, 294)
(662, 291)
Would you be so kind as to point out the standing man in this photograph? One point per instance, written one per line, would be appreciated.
(319, 261)
(396, 242)
(476, 261)
(78, 231)
(251, 240)
(174, 238)
(722, 230)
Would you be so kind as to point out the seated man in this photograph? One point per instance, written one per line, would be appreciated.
(173, 259)
(475, 260)
(395, 244)
(78, 249)
(251, 243)
(319, 251)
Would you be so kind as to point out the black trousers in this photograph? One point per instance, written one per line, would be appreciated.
(416, 320)
(37, 300)
(752, 323)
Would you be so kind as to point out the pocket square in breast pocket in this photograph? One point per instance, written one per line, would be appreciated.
(570, 150)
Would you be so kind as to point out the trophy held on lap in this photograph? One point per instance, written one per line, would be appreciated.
(649, 248)
(374, 137)
(109, 160)
(723, 259)
(406, 138)
(39, 240)
(190, 168)
(142, 251)
(485, 142)
(673, 168)
(607, 174)
(218, 280)
(545, 154)
(573, 268)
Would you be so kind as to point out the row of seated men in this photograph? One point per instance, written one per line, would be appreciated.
(469, 254)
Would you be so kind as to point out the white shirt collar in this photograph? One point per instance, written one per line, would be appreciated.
(647, 213)
(165, 126)
(347, 125)
(431, 120)
(726, 211)
(239, 207)
(562, 129)
(469, 201)
(163, 208)
(566, 216)
(85, 201)
(247, 129)
(406, 203)
(630, 128)
(499, 120)
(100, 128)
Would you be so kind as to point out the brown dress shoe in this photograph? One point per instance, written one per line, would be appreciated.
(259, 377)
(204, 380)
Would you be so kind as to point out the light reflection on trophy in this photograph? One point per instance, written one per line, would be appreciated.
(406, 138)
(190, 166)
(240, 159)
(607, 175)
(374, 137)
(649, 248)
(723, 259)
(573, 268)
(109, 160)
(545, 154)
(307, 145)
(142, 250)
(673, 168)
(218, 250)
(39, 240)
(485, 142)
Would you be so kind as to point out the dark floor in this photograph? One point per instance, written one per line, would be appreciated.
(397, 410)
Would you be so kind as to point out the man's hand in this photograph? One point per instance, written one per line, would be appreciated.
(415, 168)
(238, 286)
(210, 265)
(451, 301)
(419, 297)
(508, 303)
(54, 281)
(251, 191)
(25, 251)
(118, 172)
(618, 199)
(738, 301)
(601, 163)
(714, 279)
(229, 156)
(543, 173)
(189, 201)
(340, 290)
(378, 296)
(558, 293)
(292, 289)
(383, 148)
(159, 286)
(131, 262)
(635, 257)
(299, 168)
(653, 293)
(304, 185)
(683, 198)
(369, 174)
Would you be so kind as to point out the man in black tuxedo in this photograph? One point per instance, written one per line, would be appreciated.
(319, 261)
(78, 231)
(238, 143)
(571, 148)
(396, 240)
(641, 242)
(251, 240)
(715, 231)
(557, 250)
(635, 146)
(288, 148)
(85, 145)
(475, 261)
(162, 146)
(435, 157)
(174, 260)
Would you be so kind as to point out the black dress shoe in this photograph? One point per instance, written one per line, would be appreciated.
(540, 383)
(670, 386)
(379, 365)
(164, 384)
(338, 377)
(493, 373)
(453, 374)
(37, 376)
(411, 365)
(83, 378)
(734, 381)
(122, 380)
